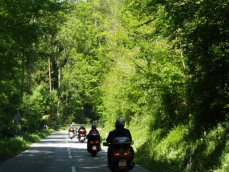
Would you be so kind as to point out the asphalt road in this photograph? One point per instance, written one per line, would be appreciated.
(58, 153)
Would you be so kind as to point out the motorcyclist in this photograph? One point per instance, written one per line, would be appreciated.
(81, 128)
(119, 131)
(71, 129)
(73, 126)
(93, 135)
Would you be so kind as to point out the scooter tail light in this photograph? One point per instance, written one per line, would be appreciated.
(117, 154)
(126, 153)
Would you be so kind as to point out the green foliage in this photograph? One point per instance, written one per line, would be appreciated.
(201, 31)
(13, 146)
(10, 97)
(16, 145)
(84, 61)
(224, 161)
(164, 153)
(212, 149)
(24, 25)
(170, 84)
(162, 65)
(173, 146)
(41, 103)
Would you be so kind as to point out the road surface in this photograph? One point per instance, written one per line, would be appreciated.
(58, 153)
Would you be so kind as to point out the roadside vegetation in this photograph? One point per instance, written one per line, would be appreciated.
(161, 65)
(10, 147)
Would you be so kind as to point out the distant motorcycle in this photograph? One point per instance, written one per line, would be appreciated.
(82, 135)
(121, 155)
(71, 133)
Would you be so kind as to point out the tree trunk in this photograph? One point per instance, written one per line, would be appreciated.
(50, 79)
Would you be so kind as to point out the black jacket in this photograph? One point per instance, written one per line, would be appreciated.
(81, 128)
(93, 134)
(118, 132)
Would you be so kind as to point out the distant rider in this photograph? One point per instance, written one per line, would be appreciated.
(73, 128)
(81, 128)
(82, 133)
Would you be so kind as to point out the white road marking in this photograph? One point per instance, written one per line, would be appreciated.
(69, 151)
(73, 169)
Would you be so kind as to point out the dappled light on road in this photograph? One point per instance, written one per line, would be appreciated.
(58, 153)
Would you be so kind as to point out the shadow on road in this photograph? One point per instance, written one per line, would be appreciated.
(58, 153)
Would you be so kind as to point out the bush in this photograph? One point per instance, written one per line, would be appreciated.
(32, 138)
(12, 146)
(173, 146)
(212, 150)
(15, 145)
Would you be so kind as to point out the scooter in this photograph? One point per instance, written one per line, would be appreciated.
(71, 133)
(121, 155)
(82, 135)
(93, 144)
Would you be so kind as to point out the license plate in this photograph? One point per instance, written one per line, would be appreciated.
(94, 148)
(122, 163)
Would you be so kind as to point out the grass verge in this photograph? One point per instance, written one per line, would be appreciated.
(10, 147)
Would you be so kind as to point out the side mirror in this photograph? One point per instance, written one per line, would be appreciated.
(105, 144)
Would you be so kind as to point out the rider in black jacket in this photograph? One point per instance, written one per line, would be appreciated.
(119, 131)
(81, 128)
(93, 135)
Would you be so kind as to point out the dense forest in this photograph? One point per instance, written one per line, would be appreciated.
(163, 65)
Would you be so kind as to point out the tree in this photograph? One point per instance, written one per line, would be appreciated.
(83, 60)
(24, 25)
